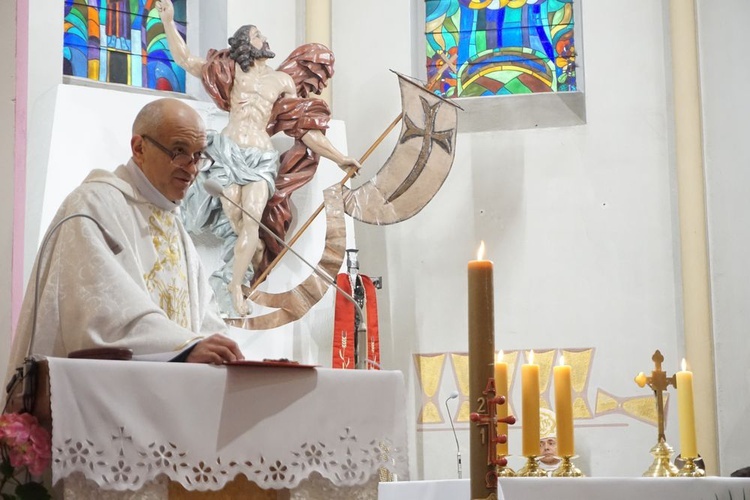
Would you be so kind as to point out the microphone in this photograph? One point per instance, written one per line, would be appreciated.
(454, 395)
(361, 362)
(27, 373)
(111, 242)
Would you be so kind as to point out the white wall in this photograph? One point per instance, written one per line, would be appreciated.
(726, 114)
(45, 74)
(277, 21)
(579, 222)
(7, 171)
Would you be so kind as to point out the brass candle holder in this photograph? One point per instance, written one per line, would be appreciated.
(659, 382)
(662, 465)
(531, 468)
(690, 469)
(501, 467)
(567, 468)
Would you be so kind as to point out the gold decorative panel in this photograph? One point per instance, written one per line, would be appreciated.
(580, 361)
(641, 408)
(429, 373)
(429, 370)
(460, 363)
(546, 361)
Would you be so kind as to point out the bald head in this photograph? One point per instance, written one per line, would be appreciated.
(163, 130)
(161, 112)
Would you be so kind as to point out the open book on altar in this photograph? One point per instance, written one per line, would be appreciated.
(270, 363)
(273, 363)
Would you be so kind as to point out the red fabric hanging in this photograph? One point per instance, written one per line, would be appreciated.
(343, 325)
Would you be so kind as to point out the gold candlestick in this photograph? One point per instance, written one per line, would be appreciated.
(502, 469)
(567, 469)
(690, 469)
(662, 452)
(531, 469)
(662, 465)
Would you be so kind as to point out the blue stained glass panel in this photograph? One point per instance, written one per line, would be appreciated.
(493, 47)
(121, 41)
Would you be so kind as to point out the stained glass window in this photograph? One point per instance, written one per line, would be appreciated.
(121, 41)
(491, 47)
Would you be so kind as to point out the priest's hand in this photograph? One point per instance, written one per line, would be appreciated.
(216, 350)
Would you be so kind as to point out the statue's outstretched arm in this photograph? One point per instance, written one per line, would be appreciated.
(177, 45)
(314, 139)
(319, 143)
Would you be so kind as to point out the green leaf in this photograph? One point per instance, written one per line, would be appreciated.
(32, 491)
(6, 470)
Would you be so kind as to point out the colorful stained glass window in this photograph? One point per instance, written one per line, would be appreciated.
(491, 47)
(121, 41)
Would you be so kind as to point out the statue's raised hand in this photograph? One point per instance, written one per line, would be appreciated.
(166, 10)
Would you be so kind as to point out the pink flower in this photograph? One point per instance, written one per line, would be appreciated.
(16, 425)
(26, 442)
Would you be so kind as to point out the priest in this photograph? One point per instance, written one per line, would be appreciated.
(152, 295)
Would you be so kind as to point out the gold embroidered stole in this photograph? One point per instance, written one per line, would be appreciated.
(167, 279)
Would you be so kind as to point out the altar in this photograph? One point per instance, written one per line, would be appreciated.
(130, 426)
(613, 488)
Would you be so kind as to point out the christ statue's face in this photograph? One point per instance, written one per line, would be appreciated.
(247, 45)
(259, 45)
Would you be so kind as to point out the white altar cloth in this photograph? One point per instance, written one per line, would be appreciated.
(707, 488)
(123, 423)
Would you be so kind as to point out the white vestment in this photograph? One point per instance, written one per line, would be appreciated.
(89, 297)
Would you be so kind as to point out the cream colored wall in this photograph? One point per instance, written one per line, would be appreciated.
(726, 115)
(688, 149)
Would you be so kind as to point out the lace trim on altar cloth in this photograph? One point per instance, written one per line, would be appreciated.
(122, 465)
(77, 487)
(318, 488)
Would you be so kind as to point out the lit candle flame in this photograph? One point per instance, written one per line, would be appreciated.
(562, 360)
(531, 357)
(480, 252)
(499, 356)
(684, 365)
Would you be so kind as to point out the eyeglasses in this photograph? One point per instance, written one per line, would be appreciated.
(183, 160)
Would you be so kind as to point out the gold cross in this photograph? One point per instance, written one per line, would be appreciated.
(658, 382)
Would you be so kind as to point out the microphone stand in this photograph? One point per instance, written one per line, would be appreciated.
(358, 294)
(360, 354)
(28, 371)
(450, 418)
